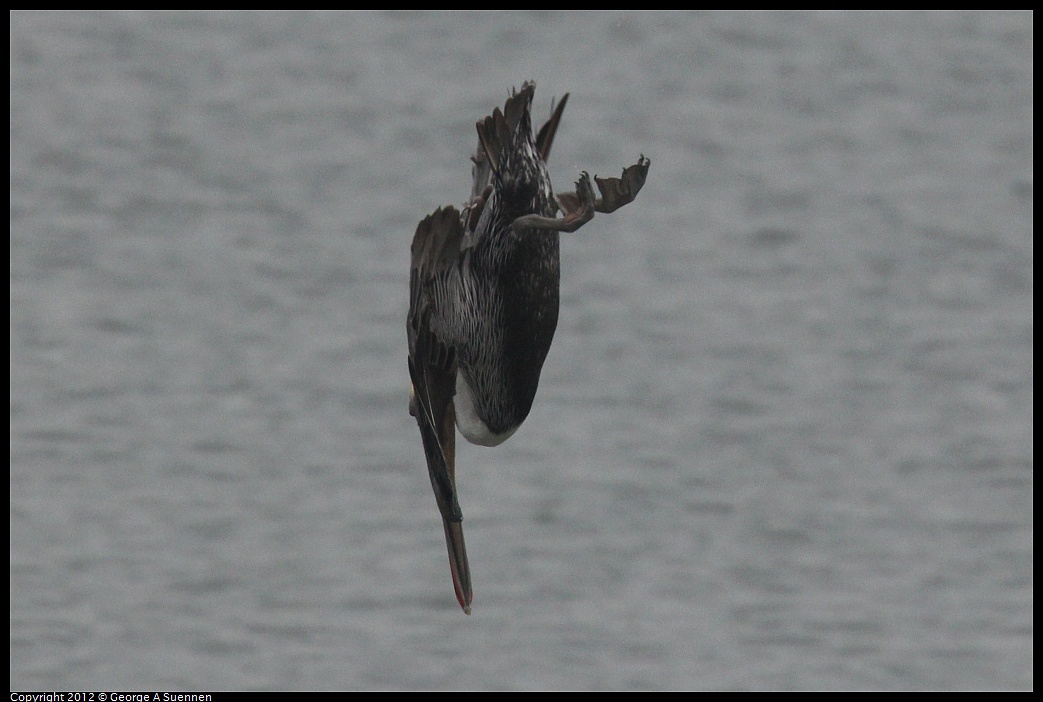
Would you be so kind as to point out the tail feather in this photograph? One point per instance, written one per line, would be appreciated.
(545, 137)
(497, 131)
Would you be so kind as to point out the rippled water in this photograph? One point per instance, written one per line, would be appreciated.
(783, 439)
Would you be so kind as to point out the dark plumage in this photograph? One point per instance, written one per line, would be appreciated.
(483, 297)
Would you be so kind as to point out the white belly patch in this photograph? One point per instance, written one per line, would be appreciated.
(470, 424)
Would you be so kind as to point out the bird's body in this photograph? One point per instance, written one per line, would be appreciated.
(484, 297)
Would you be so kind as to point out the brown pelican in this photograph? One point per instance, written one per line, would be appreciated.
(483, 297)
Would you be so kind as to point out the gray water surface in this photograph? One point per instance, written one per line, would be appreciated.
(783, 439)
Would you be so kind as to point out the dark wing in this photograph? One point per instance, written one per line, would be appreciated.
(432, 369)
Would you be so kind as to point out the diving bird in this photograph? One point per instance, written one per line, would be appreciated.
(483, 297)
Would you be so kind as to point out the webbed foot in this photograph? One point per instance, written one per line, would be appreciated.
(616, 192)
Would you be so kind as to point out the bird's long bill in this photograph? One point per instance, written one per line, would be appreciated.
(454, 539)
(454, 530)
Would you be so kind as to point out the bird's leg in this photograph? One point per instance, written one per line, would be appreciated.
(579, 207)
(577, 210)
